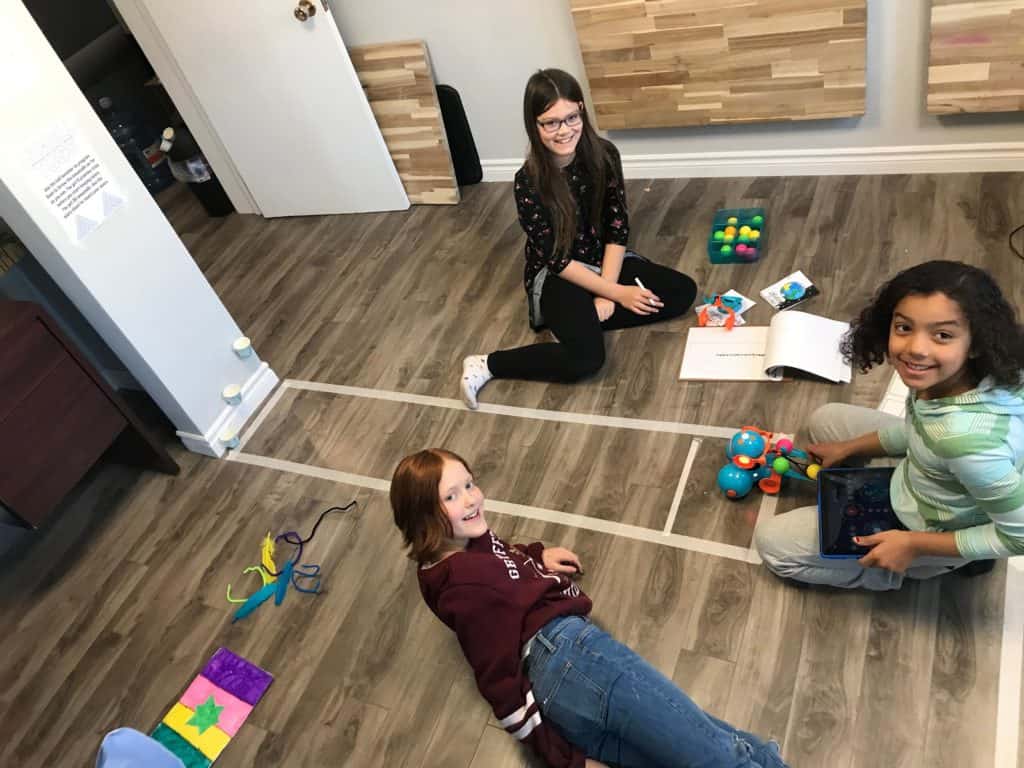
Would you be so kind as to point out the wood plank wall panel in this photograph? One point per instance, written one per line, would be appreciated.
(977, 56)
(655, 63)
(399, 85)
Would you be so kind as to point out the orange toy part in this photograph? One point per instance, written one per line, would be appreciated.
(771, 484)
(746, 462)
(730, 320)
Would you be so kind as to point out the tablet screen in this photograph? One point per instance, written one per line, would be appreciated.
(853, 502)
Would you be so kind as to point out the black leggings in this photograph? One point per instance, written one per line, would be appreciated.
(570, 313)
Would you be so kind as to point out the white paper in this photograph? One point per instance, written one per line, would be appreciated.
(76, 186)
(808, 343)
(717, 354)
(794, 340)
(773, 293)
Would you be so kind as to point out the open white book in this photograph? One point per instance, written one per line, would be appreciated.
(794, 343)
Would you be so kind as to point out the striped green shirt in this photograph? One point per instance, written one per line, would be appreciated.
(962, 469)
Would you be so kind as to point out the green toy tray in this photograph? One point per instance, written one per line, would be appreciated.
(744, 218)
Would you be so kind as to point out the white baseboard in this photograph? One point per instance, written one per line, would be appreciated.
(937, 158)
(233, 417)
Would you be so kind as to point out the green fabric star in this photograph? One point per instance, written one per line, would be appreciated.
(206, 715)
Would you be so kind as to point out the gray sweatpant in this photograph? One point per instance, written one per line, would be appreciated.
(788, 543)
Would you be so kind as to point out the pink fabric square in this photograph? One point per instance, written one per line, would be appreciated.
(235, 710)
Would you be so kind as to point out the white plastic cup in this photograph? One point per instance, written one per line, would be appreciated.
(232, 394)
(242, 347)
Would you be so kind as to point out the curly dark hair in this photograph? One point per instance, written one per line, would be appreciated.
(997, 338)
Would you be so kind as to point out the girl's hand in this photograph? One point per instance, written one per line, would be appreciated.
(561, 560)
(639, 300)
(892, 550)
(830, 454)
(594, 764)
(605, 308)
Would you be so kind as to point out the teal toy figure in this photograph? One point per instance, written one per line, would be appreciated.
(761, 458)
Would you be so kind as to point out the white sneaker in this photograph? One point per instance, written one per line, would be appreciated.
(475, 374)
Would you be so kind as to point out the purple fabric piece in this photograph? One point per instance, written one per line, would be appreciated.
(237, 676)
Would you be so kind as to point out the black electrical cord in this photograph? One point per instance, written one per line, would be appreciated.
(293, 538)
(1012, 246)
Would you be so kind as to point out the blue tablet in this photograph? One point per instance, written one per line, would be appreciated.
(853, 502)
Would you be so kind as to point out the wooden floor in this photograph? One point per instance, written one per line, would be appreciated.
(110, 612)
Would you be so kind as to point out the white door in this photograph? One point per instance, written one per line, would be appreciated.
(282, 97)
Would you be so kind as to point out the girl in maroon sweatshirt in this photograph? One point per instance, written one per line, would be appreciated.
(554, 680)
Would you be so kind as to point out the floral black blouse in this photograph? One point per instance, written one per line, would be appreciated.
(588, 247)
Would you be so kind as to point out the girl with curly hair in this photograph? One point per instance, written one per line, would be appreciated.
(956, 343)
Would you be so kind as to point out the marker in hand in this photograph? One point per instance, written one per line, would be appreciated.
(644, 288)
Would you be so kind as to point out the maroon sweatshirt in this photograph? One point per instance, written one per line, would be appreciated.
(496, 597)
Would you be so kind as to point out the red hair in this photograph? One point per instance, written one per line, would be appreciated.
(416, 502)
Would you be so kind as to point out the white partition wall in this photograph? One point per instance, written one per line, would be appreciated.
(68, 192)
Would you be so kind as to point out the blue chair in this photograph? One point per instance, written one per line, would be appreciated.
(127, 748)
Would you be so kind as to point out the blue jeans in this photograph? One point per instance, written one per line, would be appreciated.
(612, 704)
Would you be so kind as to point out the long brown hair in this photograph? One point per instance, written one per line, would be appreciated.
(416, 502)
(543, 89)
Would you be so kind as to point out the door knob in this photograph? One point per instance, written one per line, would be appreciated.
(304, 10)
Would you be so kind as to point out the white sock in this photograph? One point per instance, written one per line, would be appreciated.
(475, 374)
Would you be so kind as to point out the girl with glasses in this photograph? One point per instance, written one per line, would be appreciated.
(580, 278)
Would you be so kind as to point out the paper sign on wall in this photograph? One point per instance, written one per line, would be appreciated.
(78, 189)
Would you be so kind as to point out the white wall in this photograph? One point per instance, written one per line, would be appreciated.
(488, 49)
(132, 278)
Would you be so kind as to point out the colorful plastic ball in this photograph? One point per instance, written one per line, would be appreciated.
(755, 234)
(725, 250)
(751, 254)
(744, 238)
(732, 220)
(781, 465)
(812, 471)
(747, 443)
(730, 231)
(719, 234)
(735, 482)
(741, 249)
(784, 446)
(757, 220)
(744, 230)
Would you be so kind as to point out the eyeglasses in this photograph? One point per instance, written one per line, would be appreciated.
(552, 126)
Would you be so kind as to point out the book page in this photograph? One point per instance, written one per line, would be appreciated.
(807, 343)
(717, 354)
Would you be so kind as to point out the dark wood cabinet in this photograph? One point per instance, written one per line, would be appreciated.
(57, 416)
